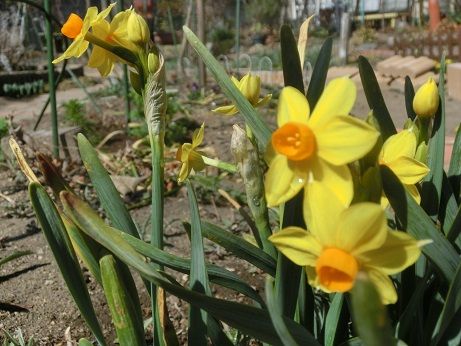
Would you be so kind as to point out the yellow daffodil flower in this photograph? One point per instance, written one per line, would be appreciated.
(398, 154)
(344, 241)
(76, 28)
(319, 147)
(250, 87)
(191, 158)
(115, 33)
(426, 100)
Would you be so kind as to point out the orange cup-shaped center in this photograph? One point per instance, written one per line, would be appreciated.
(73, 26)
(294, 140)
(336, 270)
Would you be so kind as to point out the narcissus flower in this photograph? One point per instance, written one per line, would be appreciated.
(398, 154)
(426, 100)
(115, 33)
(344, 241)
(189, 156)
(319, 147)
(250, 87)
(76, 28)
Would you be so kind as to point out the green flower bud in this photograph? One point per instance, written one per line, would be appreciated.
(138, 31)
(426, 100)
(152, 62)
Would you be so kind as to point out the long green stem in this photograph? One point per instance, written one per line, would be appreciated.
(225, 166)
(154, 96)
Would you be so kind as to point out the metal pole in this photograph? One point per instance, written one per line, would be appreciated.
(51, 81)
(126, 83)
(237, 34)
(201, 36)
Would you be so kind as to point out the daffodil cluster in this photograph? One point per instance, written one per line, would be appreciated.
(312, 151)
(125, 39)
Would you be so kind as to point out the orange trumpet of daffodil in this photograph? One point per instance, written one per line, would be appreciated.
(316, 147)
(342, 242)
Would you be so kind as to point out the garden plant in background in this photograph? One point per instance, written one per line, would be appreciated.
(340, 266)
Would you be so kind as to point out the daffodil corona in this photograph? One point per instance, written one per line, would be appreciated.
(250, 87)
(319, 147)
(341, 242)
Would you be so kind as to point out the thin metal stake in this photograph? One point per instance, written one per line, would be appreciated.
(51, 81)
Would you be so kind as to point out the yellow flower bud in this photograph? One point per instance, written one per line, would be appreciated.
(250, 86)
(138, 31)
(152, 62)
(426, 100)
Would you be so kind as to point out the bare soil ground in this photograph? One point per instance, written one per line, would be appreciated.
(34, 282)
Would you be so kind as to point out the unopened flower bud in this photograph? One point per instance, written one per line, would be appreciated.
(152, 62)
(426, 100)
(250, 86)
(138, 30)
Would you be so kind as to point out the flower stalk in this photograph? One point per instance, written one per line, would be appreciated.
(248, 161)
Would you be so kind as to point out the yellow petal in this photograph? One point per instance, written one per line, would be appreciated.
(97, 57)
(293, 106)
(408, 170)
(363, 227)
(235, 81)
(74, 50)
(344, 139)
(399, 251)
(413, 190)
(104, 13)
(186, 148)
(384, 286)
(226, 110)
(101, 29)
(282, 181)
(337, 99)
(298, 245)
(337, 178)
(197, 137)
(184, 172)
(196, 161)
(264, 101)
(312, 277)
(398, 145)
(321, 210)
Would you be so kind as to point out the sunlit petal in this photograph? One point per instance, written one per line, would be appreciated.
(197, 137)
(344, 139)
(408, 170)
(297, 244)
(398, 145)
(293, 106)
(399, 251)
(363, 227)
(226, 110)
(322, 210)
(337, 178)
(384, 286)
(282, 181)
(337, 99)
